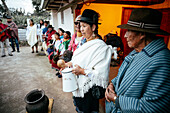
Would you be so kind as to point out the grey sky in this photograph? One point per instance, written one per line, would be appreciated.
(25, 4)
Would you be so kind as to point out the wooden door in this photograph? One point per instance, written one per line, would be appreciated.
(125, 17)
(165, 24)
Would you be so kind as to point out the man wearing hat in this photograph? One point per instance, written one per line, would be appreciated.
(4, 40)
(142, 83)
(13, 33)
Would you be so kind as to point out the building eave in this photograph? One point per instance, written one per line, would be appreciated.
(61, 5)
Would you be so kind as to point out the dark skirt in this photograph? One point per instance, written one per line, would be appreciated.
(88, 104)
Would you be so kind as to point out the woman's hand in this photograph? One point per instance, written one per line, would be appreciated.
(78, 70)
(68, 64)
(110, 93)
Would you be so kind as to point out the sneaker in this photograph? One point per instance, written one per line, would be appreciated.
(32, 52)
(36, 51)
(3, 55)
(13, 50)
(10, 54)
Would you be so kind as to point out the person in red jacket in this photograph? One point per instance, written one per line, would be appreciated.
(49, 34)
(4, 39)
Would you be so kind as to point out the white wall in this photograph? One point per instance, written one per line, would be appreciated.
(68, 21)
(54, 20)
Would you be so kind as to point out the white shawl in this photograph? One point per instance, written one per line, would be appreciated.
(94, 56)
(31, 35)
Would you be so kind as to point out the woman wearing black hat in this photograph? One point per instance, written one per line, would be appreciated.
(49, 34)
(91, 64)
(65, 42)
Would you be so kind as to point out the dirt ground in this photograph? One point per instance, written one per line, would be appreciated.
(25, 71)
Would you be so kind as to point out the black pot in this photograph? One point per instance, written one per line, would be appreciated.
(37, 102)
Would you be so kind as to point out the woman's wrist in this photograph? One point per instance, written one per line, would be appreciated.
(114, 99)
(82, 71)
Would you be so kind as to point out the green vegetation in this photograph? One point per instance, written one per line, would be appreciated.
(20, 17)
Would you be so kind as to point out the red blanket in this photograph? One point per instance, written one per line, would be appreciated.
(4, 35)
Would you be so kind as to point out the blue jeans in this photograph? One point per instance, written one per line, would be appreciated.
(12, 39)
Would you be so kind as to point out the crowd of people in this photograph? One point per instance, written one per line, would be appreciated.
(142, 83)
(85, 51)
(54, 43)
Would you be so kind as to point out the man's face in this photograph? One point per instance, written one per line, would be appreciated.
(0, 22)
(133, 38)
(9, 20)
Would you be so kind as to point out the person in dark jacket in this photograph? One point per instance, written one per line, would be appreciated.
(13, 32)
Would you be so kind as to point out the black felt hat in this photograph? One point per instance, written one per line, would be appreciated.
(145, 20)
(50, 26)
(68, 33)
(89, 16)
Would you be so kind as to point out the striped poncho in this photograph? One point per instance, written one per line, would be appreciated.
(145, 86)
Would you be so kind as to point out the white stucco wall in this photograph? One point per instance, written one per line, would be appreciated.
(68, 21)
(54, 21)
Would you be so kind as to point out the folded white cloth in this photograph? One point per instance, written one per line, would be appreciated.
(94, 56)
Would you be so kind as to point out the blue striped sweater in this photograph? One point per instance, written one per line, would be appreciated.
(145, 86)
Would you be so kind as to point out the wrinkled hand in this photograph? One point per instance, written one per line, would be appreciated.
(68, 64)
(78, 70)
(110, 93)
